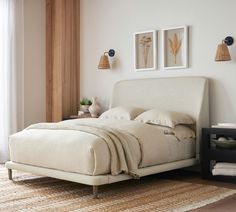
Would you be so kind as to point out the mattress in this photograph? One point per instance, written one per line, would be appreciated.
(85, 153)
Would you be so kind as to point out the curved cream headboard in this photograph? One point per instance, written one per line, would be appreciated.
(183, 94)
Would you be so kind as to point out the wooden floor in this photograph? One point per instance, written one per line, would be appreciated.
(226, 205)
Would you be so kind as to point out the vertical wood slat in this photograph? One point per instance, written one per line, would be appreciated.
(77, 8)
(71, 66)
(62, 58)
(49, 47)
(58, 35)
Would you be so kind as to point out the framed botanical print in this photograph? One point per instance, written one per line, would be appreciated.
(175, 47)
(145, 50)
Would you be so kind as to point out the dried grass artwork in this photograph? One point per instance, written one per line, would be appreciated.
(175, 47)
(145, 50)
(175, 44)
(146, 43)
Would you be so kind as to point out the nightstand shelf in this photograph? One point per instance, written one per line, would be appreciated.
(223, 154)
(86, 115)
(211, 154)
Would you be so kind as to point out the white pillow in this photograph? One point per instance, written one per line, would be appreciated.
(164, 118)
(125, 113)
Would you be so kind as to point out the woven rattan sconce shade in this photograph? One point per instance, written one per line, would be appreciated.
(222, 53)
(104, 60)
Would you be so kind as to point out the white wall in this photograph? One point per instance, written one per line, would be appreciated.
(34, 61)
(109, 24)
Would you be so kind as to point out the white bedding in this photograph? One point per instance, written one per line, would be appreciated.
(80, 152)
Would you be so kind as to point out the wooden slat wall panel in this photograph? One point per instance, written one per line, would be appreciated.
(58, 35)
(70, 92)
(63, 63)
(77, 8)
(49, 11)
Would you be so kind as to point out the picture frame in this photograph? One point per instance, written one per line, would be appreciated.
(175, 47)
(145, 50)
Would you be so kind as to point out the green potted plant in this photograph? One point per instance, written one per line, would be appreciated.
(84, 104)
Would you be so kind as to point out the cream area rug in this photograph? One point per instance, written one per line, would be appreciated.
(33, 193)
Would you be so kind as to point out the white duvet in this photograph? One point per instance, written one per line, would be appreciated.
(69, 149)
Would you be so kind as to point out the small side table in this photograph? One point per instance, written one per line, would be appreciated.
(209, 153)
(85, 115)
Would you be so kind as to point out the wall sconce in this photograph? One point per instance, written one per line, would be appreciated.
(104, 61)
(222, 53)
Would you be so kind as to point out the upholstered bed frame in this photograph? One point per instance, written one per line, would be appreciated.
(182, 94)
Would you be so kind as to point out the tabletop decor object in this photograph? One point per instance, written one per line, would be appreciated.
(95, 108)
(84, 104)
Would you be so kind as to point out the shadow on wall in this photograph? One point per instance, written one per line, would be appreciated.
(115, 63)
(218, 93)
(232, 50)
(190, 46)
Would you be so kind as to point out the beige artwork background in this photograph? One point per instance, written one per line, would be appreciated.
(144, 48)
(169, 57)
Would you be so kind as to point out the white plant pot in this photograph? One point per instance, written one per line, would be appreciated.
(84, 108)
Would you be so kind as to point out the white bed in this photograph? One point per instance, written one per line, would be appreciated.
(186, 94)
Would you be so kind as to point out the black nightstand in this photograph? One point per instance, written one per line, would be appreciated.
(210, 153)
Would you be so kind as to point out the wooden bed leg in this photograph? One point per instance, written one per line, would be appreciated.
(95, 192)
(9, 174)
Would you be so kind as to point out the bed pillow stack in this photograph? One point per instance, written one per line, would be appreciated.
(178, 124)
(165, 118)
